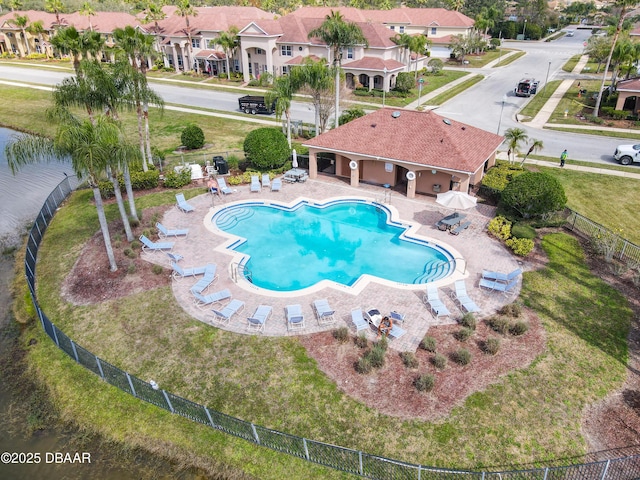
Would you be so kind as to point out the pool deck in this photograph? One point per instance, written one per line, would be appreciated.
(474, 245)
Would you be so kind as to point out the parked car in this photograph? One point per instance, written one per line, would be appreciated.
(570, 33)
(627, 154)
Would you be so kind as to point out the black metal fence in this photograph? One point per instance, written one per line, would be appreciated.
(339, 458)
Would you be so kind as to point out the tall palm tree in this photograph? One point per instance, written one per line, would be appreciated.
(37, 28)
(154, 13)
(338, 34)
(404, 41)
(316, 78)
(89, 12)
(514, 137)
(282, 92)
(22, 22)
(229, 42)
(78, 45)
(623, 5)
(90, 147)
(534, 147)
(56, 7)
(417, 45)
(186, 10)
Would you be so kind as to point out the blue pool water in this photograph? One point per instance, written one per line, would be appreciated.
(294, 248)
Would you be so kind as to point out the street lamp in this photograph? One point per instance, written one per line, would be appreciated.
(384, 81)
(504, 99)
(420, 82)
(546, 79)
(524, 28)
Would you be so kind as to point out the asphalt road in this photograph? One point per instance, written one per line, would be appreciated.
(481, 106)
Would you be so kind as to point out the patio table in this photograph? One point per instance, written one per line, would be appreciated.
(295, 175)
(450, 221)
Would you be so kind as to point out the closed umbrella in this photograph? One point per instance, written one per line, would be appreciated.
(294, 163)
(456, 200)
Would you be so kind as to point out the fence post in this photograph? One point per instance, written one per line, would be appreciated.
(360, 467)
(546, 472)
(306, 448)
(133, 389)
(75, 352)
(100, 368)
(255, 434)
(166, 397)
(606, 468)
(206, 410)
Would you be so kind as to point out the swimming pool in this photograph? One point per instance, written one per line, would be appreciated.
(288, 248)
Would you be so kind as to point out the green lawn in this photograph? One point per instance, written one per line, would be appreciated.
(540, 98)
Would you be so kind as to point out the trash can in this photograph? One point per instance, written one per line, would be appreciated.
(221, 165)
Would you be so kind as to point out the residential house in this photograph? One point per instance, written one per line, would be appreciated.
(417, 152)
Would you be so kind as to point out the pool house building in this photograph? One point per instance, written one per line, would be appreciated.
(418, 152)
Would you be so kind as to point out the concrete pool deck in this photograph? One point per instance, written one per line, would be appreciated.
(479, 250)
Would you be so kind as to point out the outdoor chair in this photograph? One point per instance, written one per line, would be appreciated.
(222, 183)
(501, 277)
(259, 318)
(432, 298)
(358, 319)
(164, 232)
(215, 297)
(463, 226)
(255, 184)
(149, 246)
(498, 286)
(204, 283)
(174, 257)
(324, 312)
(295, 318)
(266, 181)
(397, 317)
(463, 299)
(374, 317)
(276, 185)
(179, 273)
(182, 204)
(224, 315)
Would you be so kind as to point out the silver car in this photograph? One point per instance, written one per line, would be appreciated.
(627, 154)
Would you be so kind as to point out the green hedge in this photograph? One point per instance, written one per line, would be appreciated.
(139, 181)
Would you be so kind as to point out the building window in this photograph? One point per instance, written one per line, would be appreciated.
(392, 27)
(350, 53)
(285, 69)
(180, 62)
(236, 65)
(401, 28)
(259, 51)
(433, 30)
(195, 42)
(285, 51)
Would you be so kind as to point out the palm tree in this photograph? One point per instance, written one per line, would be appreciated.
(78, 45)
(338, 34)
(316, 78)
(514, 137)
(185, 10)
(418, 45)
(282, 93)
(90, 147)
(623, 4)
(21, 22)
(229, 42)
(56, 7)
(154, 13)
(404, 41)
(534, 147)
(37, 29)
(89, 12)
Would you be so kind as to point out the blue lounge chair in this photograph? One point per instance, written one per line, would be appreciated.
(182, 204)
(463, 299)
(295, 318)
(501, 277)
(497, 286)
(375, 317)
(259, 318)
(215, 297)
(174, 257)
(149, 246)
(397, 317)
(276, 185)
(224, 315)
(266, 181)
(324, 312)
(208, 279)
(358, 320)
(432, 298)
(164, 232)
(460, 228)
(222, 183)
(255, 184)
(180, 273)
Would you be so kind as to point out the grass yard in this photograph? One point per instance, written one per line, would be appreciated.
(537, 102)
(509, 59)
(571, 63)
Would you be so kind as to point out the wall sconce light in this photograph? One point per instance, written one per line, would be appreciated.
(434, 171)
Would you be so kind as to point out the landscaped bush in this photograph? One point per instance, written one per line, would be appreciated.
(498, 177)
(469, 321)
(375, 356)
(361, 341)
(266, 148)
(383, 343)
(405, 81)
(351, 114)
(439, 361)
(157, 269)
(424, 382)
(436, 65)
(463, 334)
(513, 310)
(533, 194)
(428, 344)
(462, 356)
(520, 246)
(521, 230)
(491, 345)
(499, 324)
(128, 252)
(341, 334)
(192, 137)
(139, 181)
(409, 359)
(500, 227)
(363, 365)
(177, 180)
(518, 328)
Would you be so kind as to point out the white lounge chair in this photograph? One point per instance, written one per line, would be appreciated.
(222, 183)
(266, 181)
(358, 319)
(215, 297)
(149, 246)
(182, 204)
(164, 232)
(324, 312)
(295, 318)
(438, 309)
(501, 277)
(276, 185)
(179, 273)
(255, 184)
(463, 298)
(374, 317)
(204, 283)
(259, 318)
(224, 315)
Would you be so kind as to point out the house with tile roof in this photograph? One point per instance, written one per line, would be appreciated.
(628, 95)
(420, 152)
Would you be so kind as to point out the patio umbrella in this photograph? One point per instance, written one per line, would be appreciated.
(456, 200)
(294, 163)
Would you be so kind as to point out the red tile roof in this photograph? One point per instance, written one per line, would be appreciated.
(374, 63)
(211, 54)
(103, 22)
(422, 138)
(631, 85)
(210, 19)
(299, 59)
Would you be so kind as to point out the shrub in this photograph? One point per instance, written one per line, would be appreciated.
(462, 356)
(499, 176)
(266, 148)
(513, 310)
(131, 269)
(363, 365)
(619, 114)
(428, 344)
(383, 343)
(192, 137)
(341, 334)
(533, 194)
(520, 246)
(361, 341)
(409, 359)
(491, 345)
(439, 361)
(500, 227)
(469, 321)
(518, 328)
(521, 230)
(135, 245)
(376, 356)
(498, 323)
(157, 269)
(436, 65)
(424, 382)
(177, 180)
(405, 81)
(463, 334)
(351, 114)
(129, 253)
